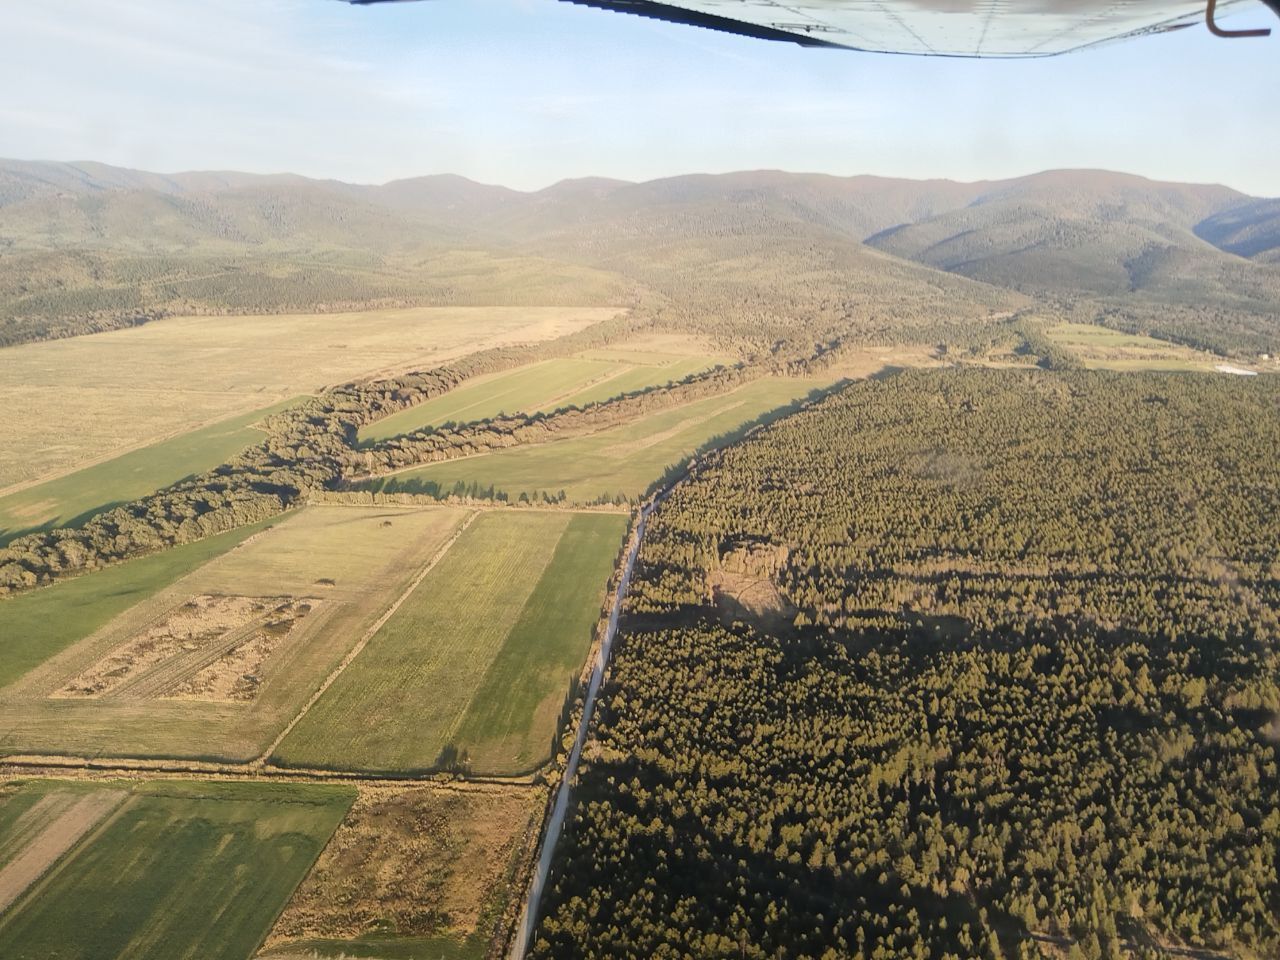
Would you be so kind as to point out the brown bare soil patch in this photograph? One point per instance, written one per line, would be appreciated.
(236, 676)
(423, 861)
(208, 648)
(744, 586)
(52, 827)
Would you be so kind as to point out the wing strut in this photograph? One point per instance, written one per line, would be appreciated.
(1218, 31)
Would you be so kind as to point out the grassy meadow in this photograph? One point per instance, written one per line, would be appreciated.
(505, 615)
(545, 386)
(513, 391)
(628, 378)
(626, 459)
(1105, 349)
(74, 497)
(179, 870)
(350, 564)
(75, 401)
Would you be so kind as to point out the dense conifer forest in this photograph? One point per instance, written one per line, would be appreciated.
(963, 663)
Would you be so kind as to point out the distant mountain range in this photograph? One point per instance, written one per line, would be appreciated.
(1199, 263)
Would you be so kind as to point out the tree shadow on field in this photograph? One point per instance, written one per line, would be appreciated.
(453, 759)
(7, 536)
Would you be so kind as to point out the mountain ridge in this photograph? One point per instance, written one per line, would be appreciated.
(1195, 262)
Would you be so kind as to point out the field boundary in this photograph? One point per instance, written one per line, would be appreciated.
(365, 638)
(118, 452)
(114, 769)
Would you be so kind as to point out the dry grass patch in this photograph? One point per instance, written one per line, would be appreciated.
(76, 400)
(423, 862)
(195, 650)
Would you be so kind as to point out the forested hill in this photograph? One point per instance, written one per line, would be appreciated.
(88, 246)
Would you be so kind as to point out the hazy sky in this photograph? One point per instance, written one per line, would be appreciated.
(526, 92)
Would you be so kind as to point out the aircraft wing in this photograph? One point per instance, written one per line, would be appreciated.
(955, 28)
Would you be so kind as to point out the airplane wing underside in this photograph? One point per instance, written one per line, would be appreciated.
(955, 28)
(958, 28)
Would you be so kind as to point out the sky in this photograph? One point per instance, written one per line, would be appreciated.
(528, 92)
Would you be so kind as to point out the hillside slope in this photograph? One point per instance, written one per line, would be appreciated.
(754, 256)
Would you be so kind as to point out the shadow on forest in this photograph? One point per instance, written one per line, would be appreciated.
(453, 759)
(713, 870)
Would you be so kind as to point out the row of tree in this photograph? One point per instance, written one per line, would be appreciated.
(308, 447)
(451, 442)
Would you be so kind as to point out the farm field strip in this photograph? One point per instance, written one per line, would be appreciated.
(356, 560)
(517, 594)
(368, 635)
(393, 708)
(180, 870)
(73, 497)
(633, 378)
(185, 372)
(508, 392)
(45, 832)
(513, 713)
(624, 460)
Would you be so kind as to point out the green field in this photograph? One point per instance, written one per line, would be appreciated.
(628, 379)
(528, 677)
(346, 564)
(73, 498)
(479, 657)
(624, 460)
(543, 386)
(525, 388)
(38, 625)
(179, 870)
(1105, 349)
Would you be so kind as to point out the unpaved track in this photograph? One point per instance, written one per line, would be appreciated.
(44, 849)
